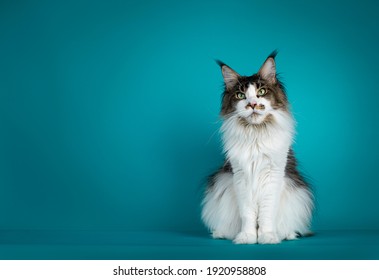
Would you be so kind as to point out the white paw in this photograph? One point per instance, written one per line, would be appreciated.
(245, 238)
(218, 235)
(268, 238)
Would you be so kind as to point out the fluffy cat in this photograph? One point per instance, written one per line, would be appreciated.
(258, 196)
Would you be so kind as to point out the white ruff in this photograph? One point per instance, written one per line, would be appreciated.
(257, 202)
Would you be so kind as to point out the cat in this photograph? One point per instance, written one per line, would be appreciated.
(258, 195)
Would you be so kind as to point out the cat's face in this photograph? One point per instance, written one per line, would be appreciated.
(253, 99)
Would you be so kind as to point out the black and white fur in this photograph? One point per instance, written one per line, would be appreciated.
(258, 196)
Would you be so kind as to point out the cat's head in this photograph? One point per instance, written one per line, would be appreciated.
(253, 99)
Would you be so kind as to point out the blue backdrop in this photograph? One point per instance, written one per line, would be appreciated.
(109, 109)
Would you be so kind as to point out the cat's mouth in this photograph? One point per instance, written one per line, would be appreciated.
(257, 109)
(256, 113)
(257, 117)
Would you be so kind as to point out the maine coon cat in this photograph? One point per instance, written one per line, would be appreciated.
(258, 196)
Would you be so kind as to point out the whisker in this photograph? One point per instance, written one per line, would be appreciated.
(211, 137)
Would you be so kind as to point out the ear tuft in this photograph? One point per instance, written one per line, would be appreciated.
(230, 76)
(273, 54)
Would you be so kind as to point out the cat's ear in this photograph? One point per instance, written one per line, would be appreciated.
(230, 76)
(268, 69)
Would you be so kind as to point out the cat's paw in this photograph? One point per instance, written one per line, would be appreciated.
(268, 238)
(218, 235)
(245, 238)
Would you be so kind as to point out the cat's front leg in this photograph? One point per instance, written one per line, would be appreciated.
(267, 233)
(247, 209)
(268, 209)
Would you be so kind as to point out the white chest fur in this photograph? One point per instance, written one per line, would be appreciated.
(250, 148)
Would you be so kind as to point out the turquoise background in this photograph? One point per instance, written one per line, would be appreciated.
(109, 109)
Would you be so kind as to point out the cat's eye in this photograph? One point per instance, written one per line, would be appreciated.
(240, 95)
(262, 91)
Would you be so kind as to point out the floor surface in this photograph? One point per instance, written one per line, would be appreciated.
(109, 245)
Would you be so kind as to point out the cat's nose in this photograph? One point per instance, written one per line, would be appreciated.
(251, 104)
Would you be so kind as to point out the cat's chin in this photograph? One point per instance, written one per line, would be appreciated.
(255, 119)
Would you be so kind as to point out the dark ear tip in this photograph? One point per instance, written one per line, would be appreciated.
(273, 54)
(220, 63)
